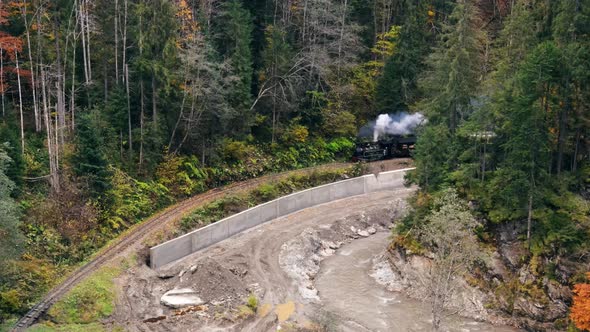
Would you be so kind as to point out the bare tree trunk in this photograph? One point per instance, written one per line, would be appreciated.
(56, 144)
(141, 88)
(54, 177)
(60, 102)
(141, 116)
(2, 81)
(20, 105)
(124, 59)
(106, 82)
(529, 220)
(88, 39)
(34, 86)
(38, 67)
(154, 102)
(180, 114)
(342, 25)
(274, 120)
(117, 42)
(304, 22)
(73, 90)
(576, 150)
(84, 54)
(129, 112)
(483, 168)
(191, 121)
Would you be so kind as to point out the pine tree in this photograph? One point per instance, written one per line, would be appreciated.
(234, 38)
(450, 87)
(528, 143)
(455, 68)
(12, 240)
(90, 160)
(396, 88)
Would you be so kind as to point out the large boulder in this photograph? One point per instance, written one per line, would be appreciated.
(179, 298)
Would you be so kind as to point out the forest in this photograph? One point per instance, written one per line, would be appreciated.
(114, 109)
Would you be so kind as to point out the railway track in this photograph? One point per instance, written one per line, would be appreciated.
(141, 231)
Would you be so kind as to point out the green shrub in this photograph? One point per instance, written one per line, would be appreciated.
(341, 147)
(252, 302)
(181, 176)
(266, 192)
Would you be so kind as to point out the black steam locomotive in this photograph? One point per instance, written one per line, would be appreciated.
(390, 146)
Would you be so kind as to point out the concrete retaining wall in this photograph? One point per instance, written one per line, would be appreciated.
(187, 244)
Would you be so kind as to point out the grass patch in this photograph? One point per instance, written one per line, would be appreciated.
(266, 192)
(48, 327)
(7, 325)
(89, 301)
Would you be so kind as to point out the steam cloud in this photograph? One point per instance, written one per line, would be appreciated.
(397, 124)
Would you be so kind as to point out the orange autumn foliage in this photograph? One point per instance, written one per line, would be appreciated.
(580, 311)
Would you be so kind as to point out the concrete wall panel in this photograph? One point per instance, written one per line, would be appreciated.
(170, 251)
(372, 184)
(260, 214)
(321, 195)
(201, 238)
(237, 223)
(264, 212)
(348, 188)
(294, 202)
(219, 232)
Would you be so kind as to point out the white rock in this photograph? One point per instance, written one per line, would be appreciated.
(371, 230)
(178, 298)
(193, 268)
(353, 229)
(330, 245)
(327, 252)
(309, 293)
(362, 233)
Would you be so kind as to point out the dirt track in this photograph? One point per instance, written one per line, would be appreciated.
(276, 261)
(281, 263)
(134, 240)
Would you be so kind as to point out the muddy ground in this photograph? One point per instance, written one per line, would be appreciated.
(319, 266)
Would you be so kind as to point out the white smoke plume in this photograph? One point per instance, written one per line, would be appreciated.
(397, 124)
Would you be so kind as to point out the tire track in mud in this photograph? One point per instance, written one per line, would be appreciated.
(133, 237)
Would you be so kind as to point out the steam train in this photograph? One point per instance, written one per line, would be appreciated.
(386, 147)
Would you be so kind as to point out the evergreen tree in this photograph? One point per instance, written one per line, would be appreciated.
(455, 68)
(90, 160)
(396, 88)
(450, 87)
(234, 38)
(15, 168)
(526, 128)
(12, 240)
(277, 59)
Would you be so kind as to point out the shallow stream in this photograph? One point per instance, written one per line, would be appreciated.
(347, 290)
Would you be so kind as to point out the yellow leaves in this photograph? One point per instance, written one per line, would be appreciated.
(385, 45)
(188, 25)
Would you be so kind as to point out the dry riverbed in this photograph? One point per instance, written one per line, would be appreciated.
(323, 265)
